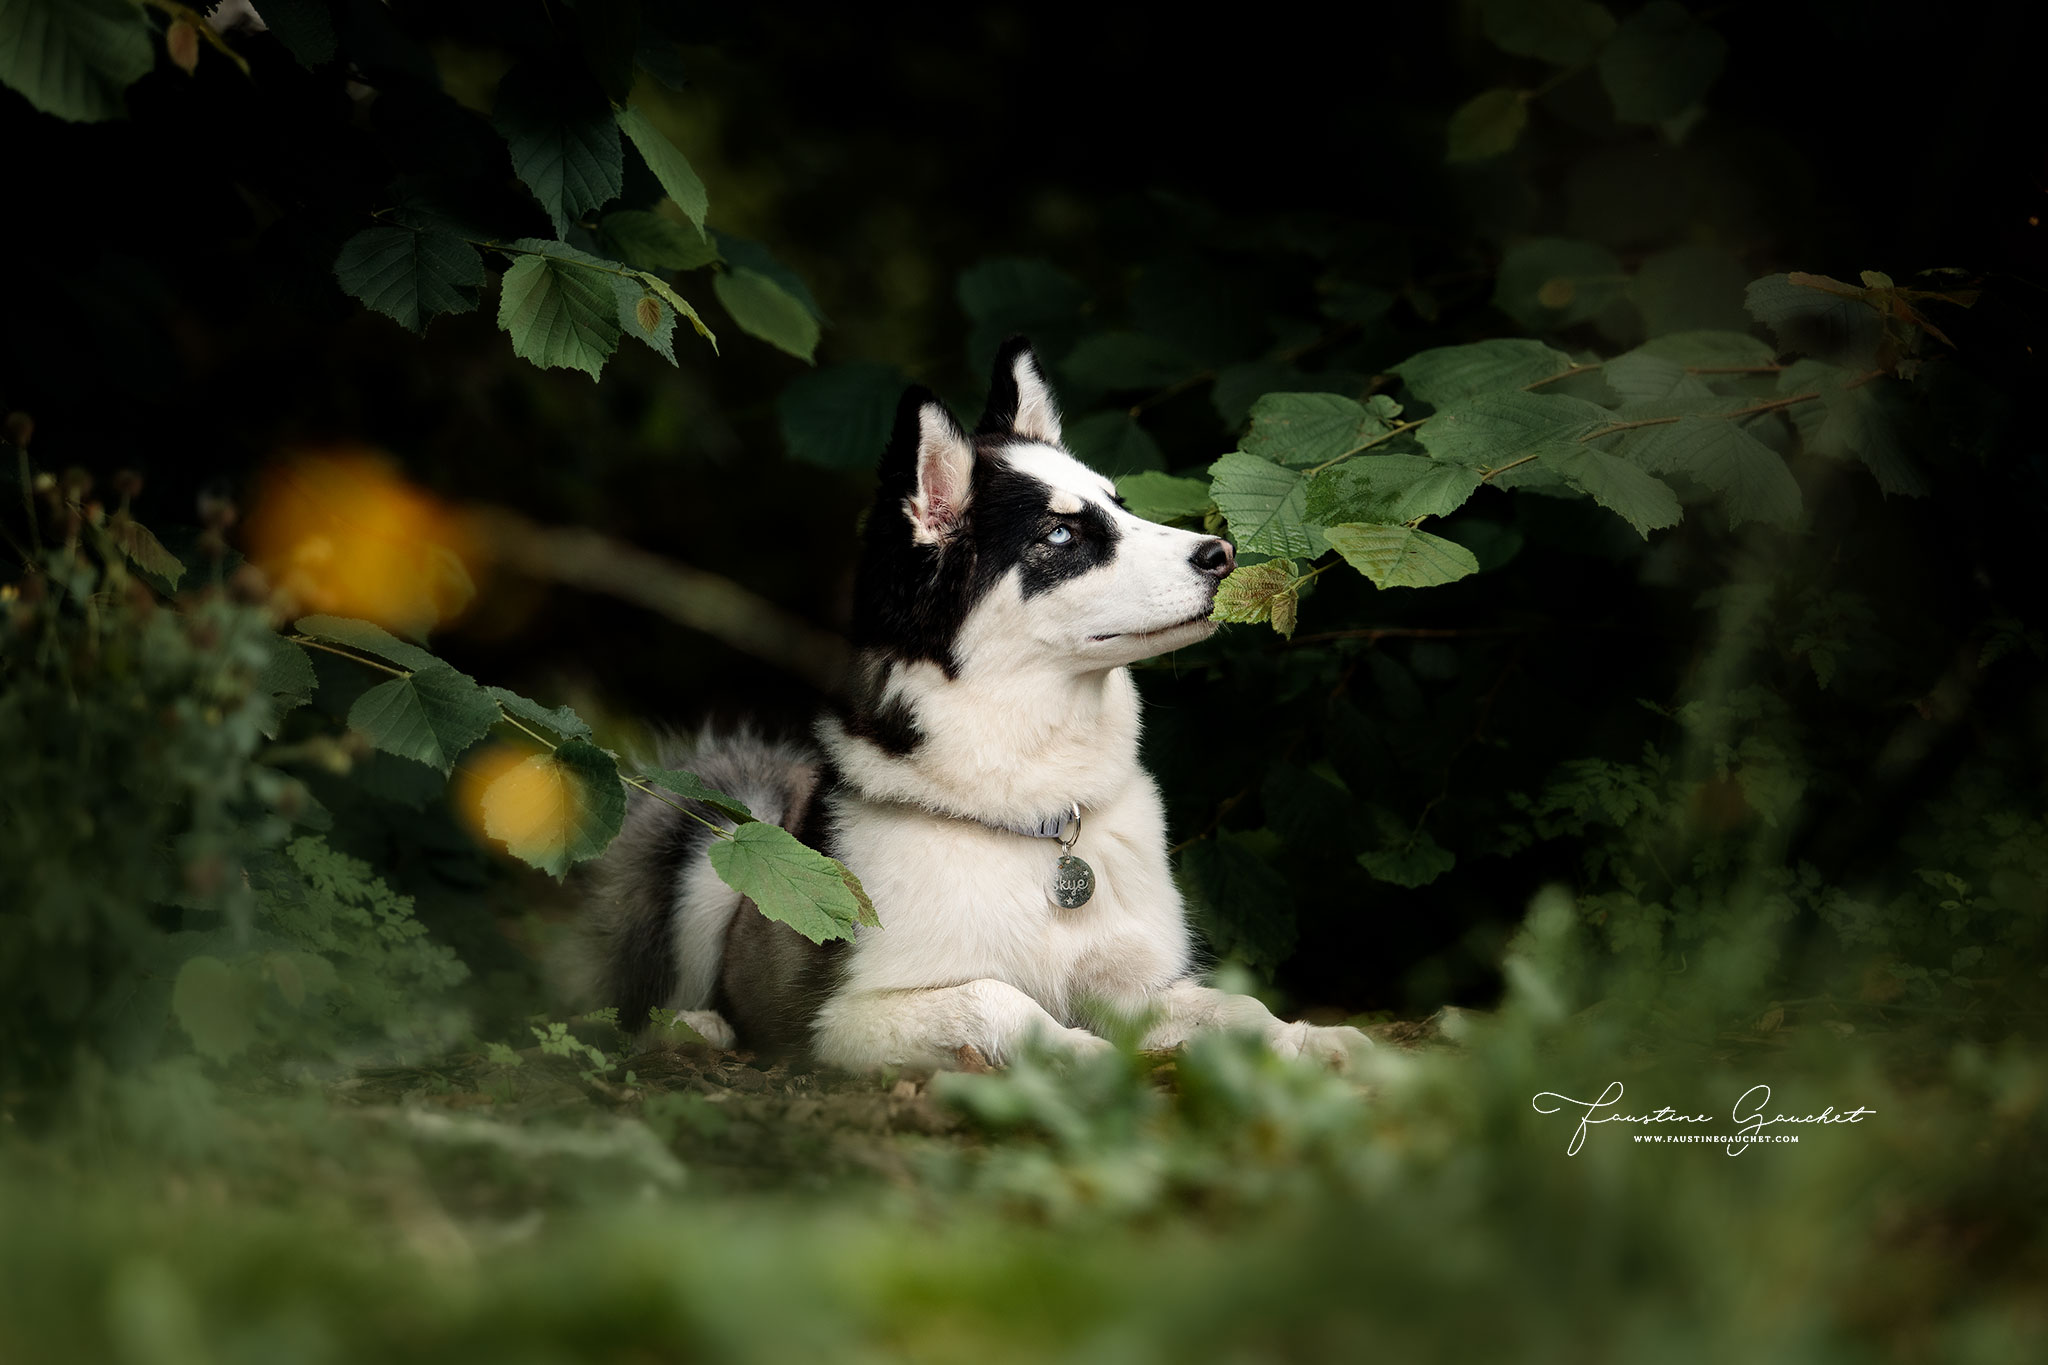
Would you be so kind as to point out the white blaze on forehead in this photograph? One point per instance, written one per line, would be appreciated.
(1071, 481)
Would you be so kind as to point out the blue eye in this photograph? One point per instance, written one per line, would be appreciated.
(1059, 535)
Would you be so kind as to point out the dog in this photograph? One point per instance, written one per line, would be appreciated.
(980, 776)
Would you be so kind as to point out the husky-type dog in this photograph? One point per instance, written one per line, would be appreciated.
(989, 740)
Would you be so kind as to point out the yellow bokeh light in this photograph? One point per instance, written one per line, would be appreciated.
(344, 533)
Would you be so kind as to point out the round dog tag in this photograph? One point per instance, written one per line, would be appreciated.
(1073, 882)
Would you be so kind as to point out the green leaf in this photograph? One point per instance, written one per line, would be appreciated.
(788, 882)
(1854, 419)
(287, 678)
(1113, 443)
(557, 809)
(1660, 62)
(1389, 488)
(1495, 428)
(559, 312)
(361, 635)
(839, 417)
(1487, 125)
(305, 27)
(143, 549)
(652, 242)
(215, 1007)
(693, 787)
(1008, 296)
(558, 126)
(661, 289)
(764, 308)
(1642, 500)
(75, 58)
(1561, 32)
(1162, 497)
(1265, 504)
(1259, 592)
(1753, 481)
(1448, 374)
(1641, 376)
(562, 720)
(1310, 428)
(678, 178)
(408, 276)
(1552, 282)
(1416, 860)
(1818, 316)
(645, 316)
(1401, 556)
(1127, 360)
(429, 716)
(1711, 349)
(1244, 907)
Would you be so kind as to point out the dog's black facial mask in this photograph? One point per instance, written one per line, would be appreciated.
(951, 517)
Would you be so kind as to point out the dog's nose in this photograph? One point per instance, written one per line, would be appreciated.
(1214, 557)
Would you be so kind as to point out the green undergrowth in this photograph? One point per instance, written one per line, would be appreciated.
(566, 1201)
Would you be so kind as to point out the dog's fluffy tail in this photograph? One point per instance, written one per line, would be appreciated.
(655, 922)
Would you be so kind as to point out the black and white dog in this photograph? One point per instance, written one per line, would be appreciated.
(981, 779)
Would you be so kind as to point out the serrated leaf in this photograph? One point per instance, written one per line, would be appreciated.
(430, 716)
(1414, 861)
(1753, 481)
(556, 809)
(1642, 500)
(839, 417)
(763, 308)
(215, 1007)
(1254, 593)
(1245, 908)
(1854, 419)
(75, 58)
(1711, 349)
(650, 241)
(1449, 374)
(1643, 377)
(1304, 429)
(1127, 360)
(1561, 32)
(1551, 282)
(1389, 488)
(1265, 504)
(1660, 62)
(1487, 125)
(565, 146)
(1494, 429)
(559, 312)
(370, 639)
(694, 788)
(287, 678)
(678, 178)
(1114, 444)
(410, 277)
(645, 318)
(143, 549)
(1807, 316)
(681, 305)
(789, 882)
(561, 720)
(1162, 497)
(1401, 556)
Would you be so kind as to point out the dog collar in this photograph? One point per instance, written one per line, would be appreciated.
(1073, 881)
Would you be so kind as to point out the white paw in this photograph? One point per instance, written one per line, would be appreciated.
(709, 1025)
(1332, 1047)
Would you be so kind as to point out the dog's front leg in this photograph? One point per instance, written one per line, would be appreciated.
(863, 1030)
(1187, 1007)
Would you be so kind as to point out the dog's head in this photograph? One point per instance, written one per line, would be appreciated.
(1002, 544)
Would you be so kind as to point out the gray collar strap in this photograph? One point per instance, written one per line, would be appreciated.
(1052, 827)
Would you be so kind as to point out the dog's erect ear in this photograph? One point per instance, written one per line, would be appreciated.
(931, 462)
(1020, 402)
